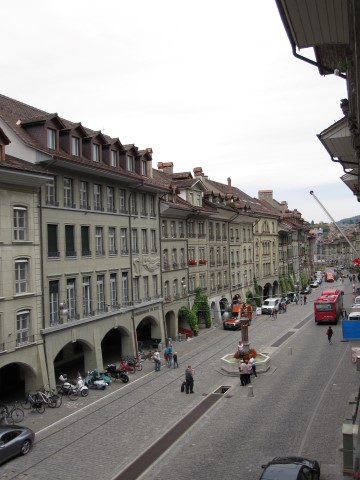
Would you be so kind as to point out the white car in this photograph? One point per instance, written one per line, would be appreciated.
(269, 304)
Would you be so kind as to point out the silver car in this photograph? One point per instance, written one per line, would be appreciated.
(14, 441)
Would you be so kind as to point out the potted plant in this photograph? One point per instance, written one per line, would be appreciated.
(192, 261)
(202, 261)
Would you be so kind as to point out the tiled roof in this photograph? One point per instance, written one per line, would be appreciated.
(241, 199)
(15, 113)
(14, 163)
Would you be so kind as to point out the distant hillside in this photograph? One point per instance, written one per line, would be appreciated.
(350, 220)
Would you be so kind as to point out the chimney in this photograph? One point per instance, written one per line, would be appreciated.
(229, 184)
(266, 195)
(198, 172)
(166, 167)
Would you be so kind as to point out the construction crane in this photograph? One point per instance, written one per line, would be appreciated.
(336, 225)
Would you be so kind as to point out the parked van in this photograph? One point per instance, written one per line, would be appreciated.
(269, 304)
(354, 316)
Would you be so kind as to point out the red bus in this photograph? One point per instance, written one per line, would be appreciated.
(328, 307)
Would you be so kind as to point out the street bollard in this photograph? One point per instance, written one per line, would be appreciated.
(250, 391)
(290, 350)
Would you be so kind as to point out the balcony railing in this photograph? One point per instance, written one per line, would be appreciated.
(22, 342)
(69, 205)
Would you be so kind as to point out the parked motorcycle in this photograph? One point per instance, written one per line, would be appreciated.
(72, 390)
(93, 380)
(117, 373)
(127, 367)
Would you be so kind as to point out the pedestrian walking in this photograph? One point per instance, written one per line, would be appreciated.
(301, 299)
(243, 372)
(156, 358)
(344, 314)
(175, 360)
(305, 298)
(296, 299)
(249, 372)
(169, 353)
(329, 333)
(253, 366)
(273, 313)
(189, 379)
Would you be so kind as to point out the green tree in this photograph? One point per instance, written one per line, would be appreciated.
(201, 308)
(190, 317)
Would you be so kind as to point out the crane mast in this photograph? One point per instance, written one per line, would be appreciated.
(336, 225)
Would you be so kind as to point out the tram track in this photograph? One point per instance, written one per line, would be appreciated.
(83, 422)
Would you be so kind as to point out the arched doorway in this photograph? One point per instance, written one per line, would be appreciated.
(111, 346)
(71, 360)
(147, 330)
(275, 289)
(15, 380)
(171, 327)
(267, 291)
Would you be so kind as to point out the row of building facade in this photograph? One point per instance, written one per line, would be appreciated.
(99, 249)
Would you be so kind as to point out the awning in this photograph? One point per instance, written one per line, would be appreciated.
(313, 23)
(338, 143)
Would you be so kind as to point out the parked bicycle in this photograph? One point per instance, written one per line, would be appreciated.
(48, 397)
(145, 356)
(33, 403)
(130, 364)
(12, 414)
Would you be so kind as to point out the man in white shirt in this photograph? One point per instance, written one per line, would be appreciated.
(157, 361)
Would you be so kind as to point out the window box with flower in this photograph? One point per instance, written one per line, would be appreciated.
(192, 261)
(202, 261)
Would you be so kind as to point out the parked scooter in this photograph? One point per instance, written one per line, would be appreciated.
(93, 380)
(105, 376)
(72, 390)
(117, 373)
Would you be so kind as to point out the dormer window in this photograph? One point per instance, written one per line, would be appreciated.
(114, 158)
(130, 163)
(96, 152)
(75, 146)
(51, 138)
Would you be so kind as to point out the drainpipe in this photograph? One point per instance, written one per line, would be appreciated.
(131, 279)
(229, 256)
(161, 271)
(42, 283)
(293, 45)
(335, 72)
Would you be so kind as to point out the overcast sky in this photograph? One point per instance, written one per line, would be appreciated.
(203, 83)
